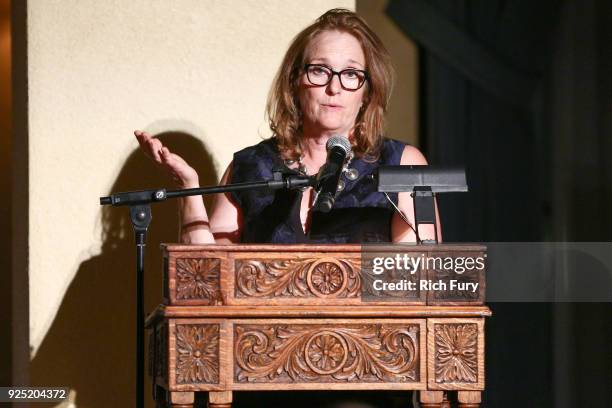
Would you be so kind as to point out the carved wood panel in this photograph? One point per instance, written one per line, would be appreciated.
(456, 354)
(284, 343)
(326, 353)
(313, 277)
(197, 353)
(197, 281)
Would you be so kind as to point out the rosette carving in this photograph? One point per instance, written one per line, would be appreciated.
(197, 348)
(326, 278)
(456, 353)
(198, 278)
(321, 277)
(319, 353)
(326, 352)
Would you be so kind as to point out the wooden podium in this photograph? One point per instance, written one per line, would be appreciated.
(296, 317)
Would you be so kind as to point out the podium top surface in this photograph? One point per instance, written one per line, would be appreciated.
(382, 247)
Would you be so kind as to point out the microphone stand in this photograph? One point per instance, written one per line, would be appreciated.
(140, 215)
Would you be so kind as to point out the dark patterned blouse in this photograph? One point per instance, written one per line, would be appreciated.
(360, 213)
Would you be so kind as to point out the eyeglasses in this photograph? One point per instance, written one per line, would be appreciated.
(350, 79)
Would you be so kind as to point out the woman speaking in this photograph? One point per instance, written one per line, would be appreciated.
(335, 79)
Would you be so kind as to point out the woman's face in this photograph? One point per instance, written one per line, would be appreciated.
(331, 109)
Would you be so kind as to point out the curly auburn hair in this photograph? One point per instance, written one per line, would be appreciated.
(283, 109)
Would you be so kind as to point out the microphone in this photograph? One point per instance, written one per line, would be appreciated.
(326, 187)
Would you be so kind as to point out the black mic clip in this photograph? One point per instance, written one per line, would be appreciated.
(285, 178)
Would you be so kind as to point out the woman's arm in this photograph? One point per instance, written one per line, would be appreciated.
(195, 227)
(226, 217)
(224, 226)
(400, 231)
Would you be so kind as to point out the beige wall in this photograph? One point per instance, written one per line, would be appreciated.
(196, 72)
(403, 115)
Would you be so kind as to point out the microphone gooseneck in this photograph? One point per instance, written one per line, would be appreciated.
(338, 148)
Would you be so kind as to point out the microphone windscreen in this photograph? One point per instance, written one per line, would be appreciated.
(339, 141)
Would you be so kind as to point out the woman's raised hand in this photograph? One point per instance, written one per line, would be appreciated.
(182, 173)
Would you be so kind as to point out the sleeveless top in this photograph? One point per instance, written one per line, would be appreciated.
(360, 213)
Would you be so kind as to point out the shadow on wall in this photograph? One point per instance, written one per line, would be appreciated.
(90, 345)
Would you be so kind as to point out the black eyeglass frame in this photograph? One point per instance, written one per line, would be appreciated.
(366, 76)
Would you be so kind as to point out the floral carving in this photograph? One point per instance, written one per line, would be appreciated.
(319, 353)
(326, 352)
(198, 279)
(197, 349)
(323, 277)
(456, 357)
(326, 278)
